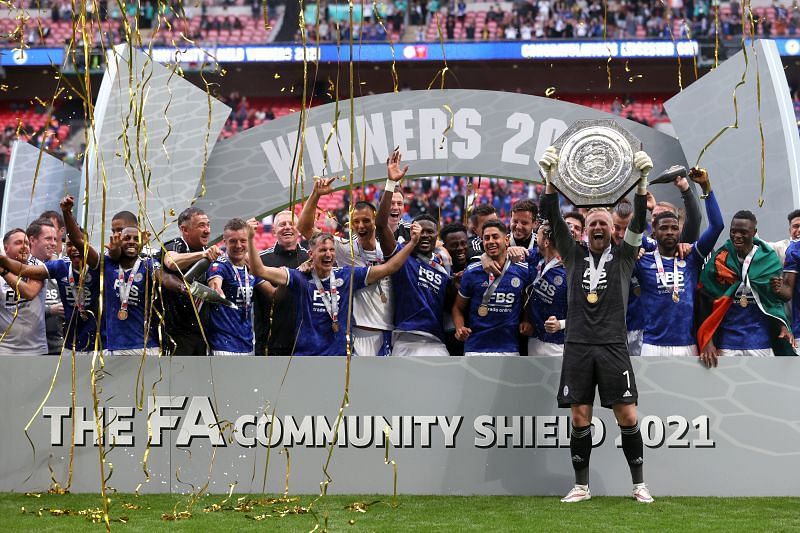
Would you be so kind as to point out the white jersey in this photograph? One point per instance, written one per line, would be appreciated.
(27, 335)
(369, 308)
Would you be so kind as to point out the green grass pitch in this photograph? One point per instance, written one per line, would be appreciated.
(410, 513)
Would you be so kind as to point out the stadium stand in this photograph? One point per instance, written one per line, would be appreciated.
(238, 23)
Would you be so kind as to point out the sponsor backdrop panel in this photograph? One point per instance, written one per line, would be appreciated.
(439, 132)
(456, 426)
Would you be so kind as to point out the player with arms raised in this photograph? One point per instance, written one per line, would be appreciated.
(596, 352)
(323, 293)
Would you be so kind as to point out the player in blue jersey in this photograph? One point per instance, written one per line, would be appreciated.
(547, 303)
(231, 330)
(668, 282)
(323, 294)
(129, 288)
(790, 289)
(420, 284)
(487, 309)
(373, 307)
(621, 216)
(743, 280)
(420, 287)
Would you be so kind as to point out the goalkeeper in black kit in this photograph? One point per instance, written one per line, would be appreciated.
(595, 349)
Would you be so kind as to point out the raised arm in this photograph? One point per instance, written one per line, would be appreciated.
(691, 227)
(394, 174)
(391, 266)
(633, 235)
(276, 276)
(75, 234)
(565, 243)
(705, 244)
(114, 247)
(308, 217)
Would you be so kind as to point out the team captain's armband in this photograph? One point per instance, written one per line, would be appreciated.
(634, 239)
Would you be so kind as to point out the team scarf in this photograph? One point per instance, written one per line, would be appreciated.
(721, 278)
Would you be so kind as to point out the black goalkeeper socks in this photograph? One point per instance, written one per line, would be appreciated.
(633, 448)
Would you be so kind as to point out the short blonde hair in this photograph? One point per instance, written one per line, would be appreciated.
(600, 211)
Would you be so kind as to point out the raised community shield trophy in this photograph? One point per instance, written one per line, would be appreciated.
(595, 163)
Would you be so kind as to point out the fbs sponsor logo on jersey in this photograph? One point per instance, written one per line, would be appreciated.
(602, 282)
(429, 279)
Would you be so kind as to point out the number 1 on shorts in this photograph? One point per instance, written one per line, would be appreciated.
(627, 377)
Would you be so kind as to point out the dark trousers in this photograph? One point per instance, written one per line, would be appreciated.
(187, 344)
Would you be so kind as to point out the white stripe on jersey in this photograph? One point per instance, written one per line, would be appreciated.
(271, 250)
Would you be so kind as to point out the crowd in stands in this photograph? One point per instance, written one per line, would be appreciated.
(544, 19)
(19, 121)
(230, 22)
(434, 20)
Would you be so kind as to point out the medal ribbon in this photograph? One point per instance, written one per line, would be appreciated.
(432, 261)
(662, 275)
(125, 288)
(542, 271)
(493, 283)
(328, 297)
(594, 272)
(243, 286)
(745, 285)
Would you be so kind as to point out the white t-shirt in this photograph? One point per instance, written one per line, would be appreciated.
(27, 335)
(369, 310)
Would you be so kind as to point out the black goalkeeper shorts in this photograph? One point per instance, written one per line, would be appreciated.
(605, 366)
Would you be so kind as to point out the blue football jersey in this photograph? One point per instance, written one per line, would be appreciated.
(792, 264)
(231, 330)
(666, 322)
(744, 328)
(635, 315)
(314, 330)
(129, 334)
(548, 297)
(419, 290)
(79, 332)
(498, 330)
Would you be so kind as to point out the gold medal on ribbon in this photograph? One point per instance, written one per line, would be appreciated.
(335, 326)
(384, 299)
(483, 310)
(592, 298)
(122, 314)
(743, 300)
(675, 297)
(637, 291)
(84, 316)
